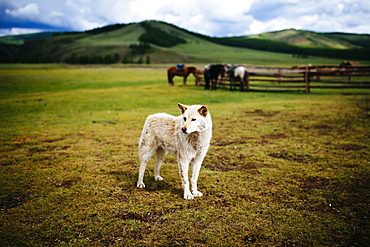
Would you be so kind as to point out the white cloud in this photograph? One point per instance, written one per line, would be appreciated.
(315, 15)
(29, 11)
(210, 17)
(56, 14)
(257, 27)
(18, 31)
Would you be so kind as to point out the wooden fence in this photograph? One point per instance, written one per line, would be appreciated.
(305, 78)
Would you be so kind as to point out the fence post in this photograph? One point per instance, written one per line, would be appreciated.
(307, 79)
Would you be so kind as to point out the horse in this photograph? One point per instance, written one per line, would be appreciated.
(183, 71)
(239, 74)
(211, 74)
(348, 65)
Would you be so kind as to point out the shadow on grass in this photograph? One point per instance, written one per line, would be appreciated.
(130, 179)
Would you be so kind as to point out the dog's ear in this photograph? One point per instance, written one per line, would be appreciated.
(203, 111)
(182, 108)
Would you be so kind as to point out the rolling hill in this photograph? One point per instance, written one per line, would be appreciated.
(315, 40)
(159, 42)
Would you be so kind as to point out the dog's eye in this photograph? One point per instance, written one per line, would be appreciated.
(185, 119)
(193, 119)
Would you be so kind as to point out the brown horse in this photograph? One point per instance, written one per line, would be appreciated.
(184, 72)
(348, 65)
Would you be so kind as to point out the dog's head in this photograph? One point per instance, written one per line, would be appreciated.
(194, 118)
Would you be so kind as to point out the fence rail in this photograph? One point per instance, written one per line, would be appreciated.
(305, 78)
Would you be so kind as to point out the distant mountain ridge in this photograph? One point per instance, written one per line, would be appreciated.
(161, 42)
(314, 39)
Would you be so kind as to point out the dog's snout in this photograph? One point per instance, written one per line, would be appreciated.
(184, 129)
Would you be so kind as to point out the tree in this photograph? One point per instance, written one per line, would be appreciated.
(140, 61)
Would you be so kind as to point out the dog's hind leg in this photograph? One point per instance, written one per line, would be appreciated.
(184, 174)
(161, 153)
(145, 153)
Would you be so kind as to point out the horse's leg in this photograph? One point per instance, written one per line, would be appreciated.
(242, 84)
(185, 77)
(214, 84)
(245, 81)
(206, 79)
(196, 78)
(170, 77)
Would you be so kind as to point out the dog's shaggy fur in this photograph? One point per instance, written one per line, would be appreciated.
(187, 136)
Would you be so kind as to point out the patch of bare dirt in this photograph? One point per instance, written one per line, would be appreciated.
(12, 201)
(152, 217)
(139, 232)
(275, 136)
(105, 122)
(223, 163)
(322, 126)
(129, 163)
(304, 159)
(54, 140)
(351, 147)
(312, 182)
(222, 142)
(7, 162)
(68, 183)
(259, 112)
(226, 167)
(49, 148)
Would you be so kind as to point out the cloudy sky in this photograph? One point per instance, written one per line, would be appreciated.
(210, 17)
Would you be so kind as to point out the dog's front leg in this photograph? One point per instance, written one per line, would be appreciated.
(184, 174)
(196, 164)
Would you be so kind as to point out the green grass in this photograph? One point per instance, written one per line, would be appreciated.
(214, 53)
(283, 169)
(308, 39)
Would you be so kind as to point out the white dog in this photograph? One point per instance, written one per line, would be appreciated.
(187, 136)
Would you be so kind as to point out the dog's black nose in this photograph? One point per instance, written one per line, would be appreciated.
(184, 129)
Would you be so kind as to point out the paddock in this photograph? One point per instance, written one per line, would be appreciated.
(303, 78)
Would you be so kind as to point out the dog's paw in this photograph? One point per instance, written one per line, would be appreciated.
(197, 193)
(188, 196)
(158, 178)
(141, 185)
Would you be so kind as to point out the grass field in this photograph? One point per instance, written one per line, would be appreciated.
(213, 53)
(283, 169)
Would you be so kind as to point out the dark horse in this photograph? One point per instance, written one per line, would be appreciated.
(211, 74)
(183, 71)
